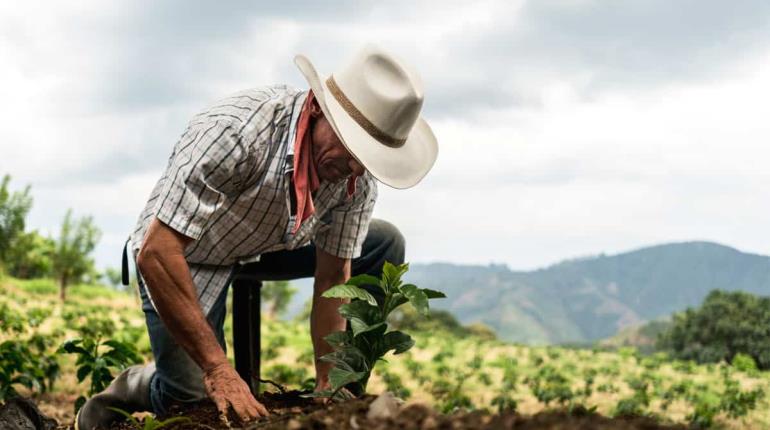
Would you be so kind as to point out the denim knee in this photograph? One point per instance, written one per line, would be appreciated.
(392, 244)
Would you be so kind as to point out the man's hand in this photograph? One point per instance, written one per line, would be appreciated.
(226, 388)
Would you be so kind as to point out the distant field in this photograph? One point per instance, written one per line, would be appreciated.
(442, 370)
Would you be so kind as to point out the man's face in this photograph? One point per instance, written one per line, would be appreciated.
(333, 161)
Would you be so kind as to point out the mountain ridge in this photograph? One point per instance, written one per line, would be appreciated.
(589, 298)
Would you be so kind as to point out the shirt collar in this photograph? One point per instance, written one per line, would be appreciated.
(296, 110)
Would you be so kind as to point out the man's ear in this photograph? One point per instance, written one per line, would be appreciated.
(315, 110)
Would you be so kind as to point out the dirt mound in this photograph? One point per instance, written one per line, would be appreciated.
(289, 411)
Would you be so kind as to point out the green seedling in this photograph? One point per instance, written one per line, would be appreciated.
(96, 359)
(150, 423)
(367, 339)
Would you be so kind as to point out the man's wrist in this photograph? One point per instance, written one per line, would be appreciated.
(215, 364)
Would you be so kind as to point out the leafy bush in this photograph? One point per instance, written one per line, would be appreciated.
(726, 324)
(367, 339)
(30, 256)
(744, 363)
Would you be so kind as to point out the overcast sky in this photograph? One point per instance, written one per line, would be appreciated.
(566, 128)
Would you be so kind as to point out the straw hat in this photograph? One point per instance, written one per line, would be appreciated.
(373, 104)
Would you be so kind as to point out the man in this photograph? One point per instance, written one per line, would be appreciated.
(253, 180)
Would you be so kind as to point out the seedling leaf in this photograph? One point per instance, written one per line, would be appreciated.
(345, 291)
(340, 378)
(364, 279)
(416, 297)
(338, 339)
(433, 294)
(400, 342)
(363, 317)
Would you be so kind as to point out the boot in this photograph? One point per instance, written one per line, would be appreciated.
(130, 391)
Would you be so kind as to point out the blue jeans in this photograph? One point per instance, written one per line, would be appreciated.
(178, 379)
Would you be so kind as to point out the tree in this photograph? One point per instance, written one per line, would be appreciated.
(71, 259)
(30, 256)
(13, 211)
(726, 324)
(277, 295)
(114, 277)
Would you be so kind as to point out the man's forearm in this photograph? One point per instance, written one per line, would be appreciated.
(171, 287)
(325, 319)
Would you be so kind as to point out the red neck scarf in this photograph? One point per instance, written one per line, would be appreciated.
(305, 176)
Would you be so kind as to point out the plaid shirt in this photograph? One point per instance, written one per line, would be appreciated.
(227, 183)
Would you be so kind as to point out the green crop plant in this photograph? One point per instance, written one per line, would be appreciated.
(607, 388)
(25, 359)
(367, 339)
(96, 359)
(535, 359)
(414, 367)
(638, 403)
(735, 402)
(16, 369)
(451, 396)
(394, 384)
(484, 378)
(589, 378)
(510, 372)
(706, 406)
(548, 384)
(504, 403)
(677, 390)
(151, 423)
(476, 362)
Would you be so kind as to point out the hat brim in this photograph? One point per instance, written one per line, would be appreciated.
(401, 167)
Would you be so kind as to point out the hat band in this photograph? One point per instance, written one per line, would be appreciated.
(359, 117)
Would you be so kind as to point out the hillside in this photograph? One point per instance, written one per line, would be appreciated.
(588, 299)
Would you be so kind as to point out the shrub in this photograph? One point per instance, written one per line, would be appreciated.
(726, 324)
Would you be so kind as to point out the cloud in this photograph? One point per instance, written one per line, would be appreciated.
(598, 46)
(565, 127)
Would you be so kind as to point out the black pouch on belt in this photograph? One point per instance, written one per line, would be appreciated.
(124, 265)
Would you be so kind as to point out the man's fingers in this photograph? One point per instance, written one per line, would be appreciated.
(262, 409)
(258, 408)
(221, 407)
(251, 405)
(243, 413)
(246, 408)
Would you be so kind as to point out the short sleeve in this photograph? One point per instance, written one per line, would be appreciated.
(345, 234)
(202, 173)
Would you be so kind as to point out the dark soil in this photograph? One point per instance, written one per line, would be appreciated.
(289, 411)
